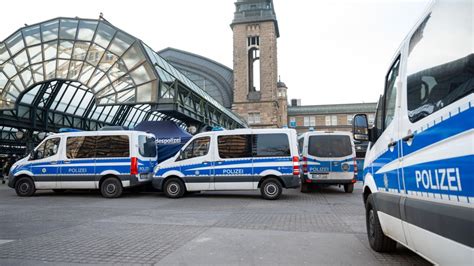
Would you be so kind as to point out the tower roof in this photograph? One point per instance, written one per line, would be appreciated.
(248, 11)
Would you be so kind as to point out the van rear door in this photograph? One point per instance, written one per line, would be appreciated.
(334, 154)
(147, 154)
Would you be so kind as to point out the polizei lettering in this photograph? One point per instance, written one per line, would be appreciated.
(233, 171)
(447, 179)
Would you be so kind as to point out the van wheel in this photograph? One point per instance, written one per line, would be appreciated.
(377, 239)
(348, 188)
(111, 188)
(174, 188)
(304, 188)
(271, 189)
(25, 187)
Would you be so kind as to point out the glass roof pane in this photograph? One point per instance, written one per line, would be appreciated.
(142, 74)
(123, 82)
(133, 56)
(95, 78)
(3, 81)
(38, 74)
(68, 29)
(50, 69)
(126, 96)
(104, 81)
(32, 35)
(15, 43)
(3, 53)
(104, 35)
(112, 113)
(50, 30)
(144, 92)
(62, 70)
(86, 73)
(117, 70)
(95, 54)
(27, 77)
(65, 49)
(21, 60)
(120, 43)
(50, 50)
(86, 30)
(107, 61)
(80, 50)
(9, 69)
(74, 69)
(35, 54)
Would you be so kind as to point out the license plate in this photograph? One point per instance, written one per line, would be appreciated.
(320, 176)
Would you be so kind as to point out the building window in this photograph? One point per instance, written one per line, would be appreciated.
(331, 120)
(349, 119)
(309, 121)
(253, 40)
(254, 118)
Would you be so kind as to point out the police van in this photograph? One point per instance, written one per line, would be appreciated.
(105, 160)
(419, 167)
(242, 159)
(328, 158)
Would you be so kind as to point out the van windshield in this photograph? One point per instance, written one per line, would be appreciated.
(329, 146)
(147, 146)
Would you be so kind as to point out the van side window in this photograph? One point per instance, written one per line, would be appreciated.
(271, 145)
(300, 145)
(47, 149)
(112, 146)
(80, 147)
(199, 147)
(440, 61)
(234, 146)
(390, 94)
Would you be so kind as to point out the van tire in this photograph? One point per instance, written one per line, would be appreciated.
(271, 189)
(25, 187)
(304, 188)
(348, 188)
(377, 239)
(174, 188)
(111, 187)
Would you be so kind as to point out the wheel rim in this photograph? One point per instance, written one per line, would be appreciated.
(371, 223)
(24, 187)
(110, 188)
(173, 189)
(271, 189)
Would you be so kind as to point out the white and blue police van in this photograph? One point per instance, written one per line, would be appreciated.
(419, 168)
(242, 159)
(106, 160)
(328, 158)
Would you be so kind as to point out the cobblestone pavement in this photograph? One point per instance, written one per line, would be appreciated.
(323, 227)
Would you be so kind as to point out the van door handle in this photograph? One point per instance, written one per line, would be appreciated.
(392, 144)
(53, 162)
(408, 137)
(220, 161)
(66, 161)
(204, 162)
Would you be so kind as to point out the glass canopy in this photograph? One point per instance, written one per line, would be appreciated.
(117, 67)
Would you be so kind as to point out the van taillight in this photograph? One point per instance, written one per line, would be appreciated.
(134, 166)
(296, 165)
(355, 166)
(305, 165)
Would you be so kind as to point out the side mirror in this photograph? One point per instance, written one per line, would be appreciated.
(360, 127)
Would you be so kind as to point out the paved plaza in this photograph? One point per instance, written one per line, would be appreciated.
(326, 226)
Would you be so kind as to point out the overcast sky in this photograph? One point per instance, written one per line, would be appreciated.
(332, 51)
